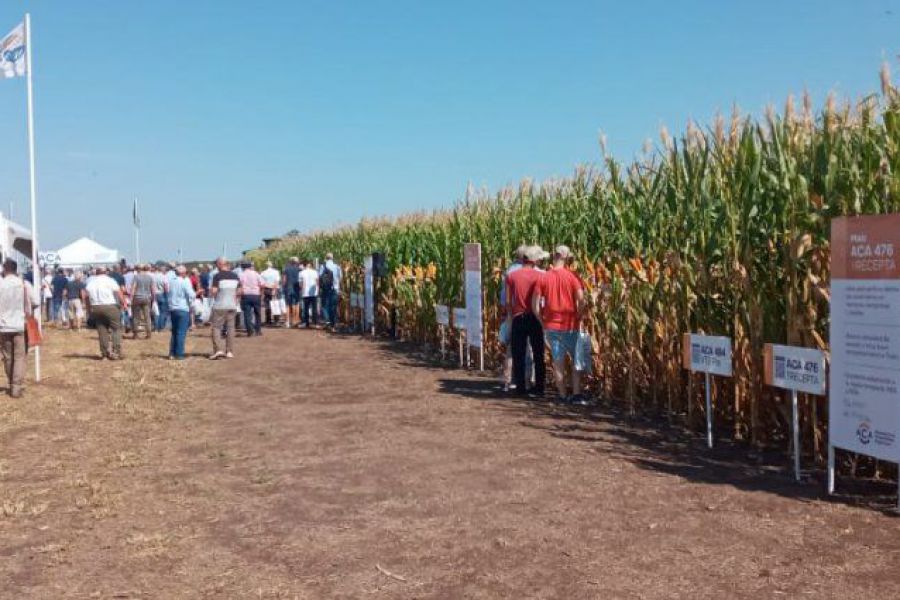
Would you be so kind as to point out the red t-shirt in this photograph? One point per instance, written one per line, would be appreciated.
(559, 287)
(520, 286)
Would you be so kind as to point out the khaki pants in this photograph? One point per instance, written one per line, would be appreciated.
(12, 348)
(108, 319)
(223, 318)
(140, 312)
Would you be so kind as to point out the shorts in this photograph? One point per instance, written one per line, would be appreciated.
(562, 343)
(76, 309)
(292, 295)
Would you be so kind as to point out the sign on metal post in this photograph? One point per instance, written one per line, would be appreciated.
(710, 355)
(369, 319)
(472, 256)
(797, 370)
(442, 316)
(460, 321)
(863, 411)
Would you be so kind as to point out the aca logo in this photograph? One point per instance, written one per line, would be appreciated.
(864, 432)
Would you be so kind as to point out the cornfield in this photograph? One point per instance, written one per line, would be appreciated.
(721, 231)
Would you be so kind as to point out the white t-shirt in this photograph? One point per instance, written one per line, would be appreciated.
(271, 277)
(102, 290)
(309, 282)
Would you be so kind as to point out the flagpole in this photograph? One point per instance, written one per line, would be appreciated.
(35, 267)
(137, 234)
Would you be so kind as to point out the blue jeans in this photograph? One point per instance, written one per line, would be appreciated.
(181, 319)
(56, 309)
(250, 307)
(163, 318)
(329, 307)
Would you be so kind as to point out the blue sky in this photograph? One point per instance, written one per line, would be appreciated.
(232, 121)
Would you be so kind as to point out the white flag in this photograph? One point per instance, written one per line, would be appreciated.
(12, 52)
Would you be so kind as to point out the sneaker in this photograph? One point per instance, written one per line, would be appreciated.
(580, 400)
(229, 355)
(216, 355)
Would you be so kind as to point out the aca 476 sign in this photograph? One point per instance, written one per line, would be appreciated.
(864, 403)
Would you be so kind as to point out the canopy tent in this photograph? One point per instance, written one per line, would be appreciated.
(80, 253)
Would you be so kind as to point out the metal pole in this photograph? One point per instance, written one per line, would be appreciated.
(35, 267)
(709, 421)
(137, 235)
(443, 340)
(830, 469)
(795, 424)
(460, 348)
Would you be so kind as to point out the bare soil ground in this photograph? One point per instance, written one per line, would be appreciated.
(320, 466)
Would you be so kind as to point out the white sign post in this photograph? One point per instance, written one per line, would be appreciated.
(460, 321)
(710, 355)
(863, 407)
(353, 307)
(474, 330)
(442, 316)
(798, 370)
(369, 300)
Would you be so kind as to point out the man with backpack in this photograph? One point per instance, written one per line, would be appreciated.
(329, 289)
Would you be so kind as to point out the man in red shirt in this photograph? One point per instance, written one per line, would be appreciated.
(559, 300)
(526, 328)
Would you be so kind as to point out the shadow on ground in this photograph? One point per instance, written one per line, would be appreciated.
(652, 442)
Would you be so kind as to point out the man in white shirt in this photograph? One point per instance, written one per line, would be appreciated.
(271, 278)
(105, 298)
(16, 301)
(309, 286)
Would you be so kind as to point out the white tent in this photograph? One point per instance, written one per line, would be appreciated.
(82, 252)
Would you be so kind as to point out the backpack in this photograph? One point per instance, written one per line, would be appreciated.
(326, 280)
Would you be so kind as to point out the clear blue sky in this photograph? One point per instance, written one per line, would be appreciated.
(237, 120)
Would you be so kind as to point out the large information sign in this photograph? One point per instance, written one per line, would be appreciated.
(472, 254)
(864, 404)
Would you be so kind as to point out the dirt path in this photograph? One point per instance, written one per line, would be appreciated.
(316, 466)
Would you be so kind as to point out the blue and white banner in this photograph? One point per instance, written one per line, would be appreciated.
(12, 53)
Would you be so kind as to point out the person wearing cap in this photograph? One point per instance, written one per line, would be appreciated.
(525, 327)
(271, 278)
(518, 261)
(559, 303)
(160, 292)
(105, 300)
(291, 282)
(252, 285)
(330, 293)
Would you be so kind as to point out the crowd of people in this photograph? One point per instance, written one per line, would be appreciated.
(143, 299)
(544, 307)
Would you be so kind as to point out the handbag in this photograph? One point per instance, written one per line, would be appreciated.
(275, 308)
(33, 335)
